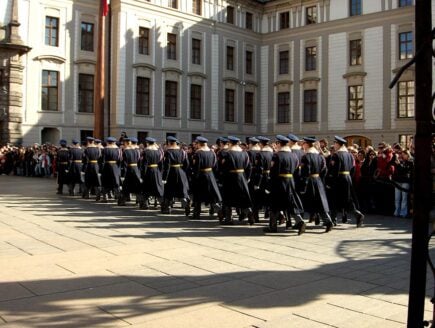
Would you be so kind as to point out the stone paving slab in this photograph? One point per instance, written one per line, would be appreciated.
(69, 262)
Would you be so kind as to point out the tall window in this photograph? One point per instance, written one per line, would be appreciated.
(249, 21)
(142, 95)
(49, 90)
(195, 101)
(249, 107)
(52, 31)
(355, 7)
(311, 15)
(406, 140)
(310, 58)
(229, 105)
(405, 3)
(171, 50)
(355, 52)
(171, 96)
(310, 105)
(284, 107)
(197, 7)
(87, 37)
(230, 14)
(86, 93)
(196, 51)
(405, 45)
(284, 20)
(230, 58)
(283, 62)
(141, 135)
(173, 4)
(144, 41)
(248, 62)
(355, 102)
(405, 96)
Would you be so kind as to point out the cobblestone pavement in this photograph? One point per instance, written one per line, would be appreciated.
(69, 262)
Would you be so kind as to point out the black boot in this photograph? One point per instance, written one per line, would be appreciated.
(359, 219)
(273, 226)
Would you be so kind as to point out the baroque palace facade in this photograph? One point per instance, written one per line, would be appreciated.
(208, 67)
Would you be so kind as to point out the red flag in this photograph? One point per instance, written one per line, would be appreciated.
(104, 7)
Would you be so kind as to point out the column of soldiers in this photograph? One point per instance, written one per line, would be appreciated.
(280, 178)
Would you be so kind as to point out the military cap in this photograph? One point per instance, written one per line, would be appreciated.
(111, 139)
(263, 139)
(309, 139)
(90, 138)
(126, 139)
(282, 138)
(253, 140)
(340, 140)
(75, 141)
(63, 142)
(222, 139)
(171, 139)
(292, 137)
(201, 139)
(233, 139)
(97, 140)
(150, 140)
(134, 140)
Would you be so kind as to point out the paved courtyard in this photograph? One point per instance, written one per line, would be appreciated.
(69, 262)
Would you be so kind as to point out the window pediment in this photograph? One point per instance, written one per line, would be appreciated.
(51, 58)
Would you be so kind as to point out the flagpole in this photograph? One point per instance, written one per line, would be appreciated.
(99, 83)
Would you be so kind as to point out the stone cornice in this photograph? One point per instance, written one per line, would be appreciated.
(197, 74)
(53, 58)
(144, 65)
(353, 74)
(172, 69)
(85, 62)
(289, 82)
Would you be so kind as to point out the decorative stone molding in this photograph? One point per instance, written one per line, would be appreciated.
(172, 69)
(85, 62)
(197, 74)
(51, 58)
(288, 82)
(147, 66)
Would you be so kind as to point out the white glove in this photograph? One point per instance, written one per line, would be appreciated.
(256, 187)
(267, 192)
(164, 181)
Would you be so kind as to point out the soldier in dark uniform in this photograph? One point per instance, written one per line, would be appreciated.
(261, 177)
(313, 170)
(132, 179)
(252, 174)
(111, 174)
(62, 166)
(204, 185)
(175, 165)
(75, 167)
(92, 156)
(341, 169)
(235, 186)
(283, 196)
(151, 165)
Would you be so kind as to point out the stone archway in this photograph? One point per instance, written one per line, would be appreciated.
(359, 140)
(50, 135)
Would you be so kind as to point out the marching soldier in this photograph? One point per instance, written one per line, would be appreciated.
(75, 167)
(252, 174)
(283, 196)
(261, 179)
(235, 186)
(313, 170)
(342, 166)
(151, 165)
(205, 189)
(132, 180)
(111, 173)
(92, 155)
(175, 180)
(62, 166)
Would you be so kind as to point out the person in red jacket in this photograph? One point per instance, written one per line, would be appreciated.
(384, 189)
